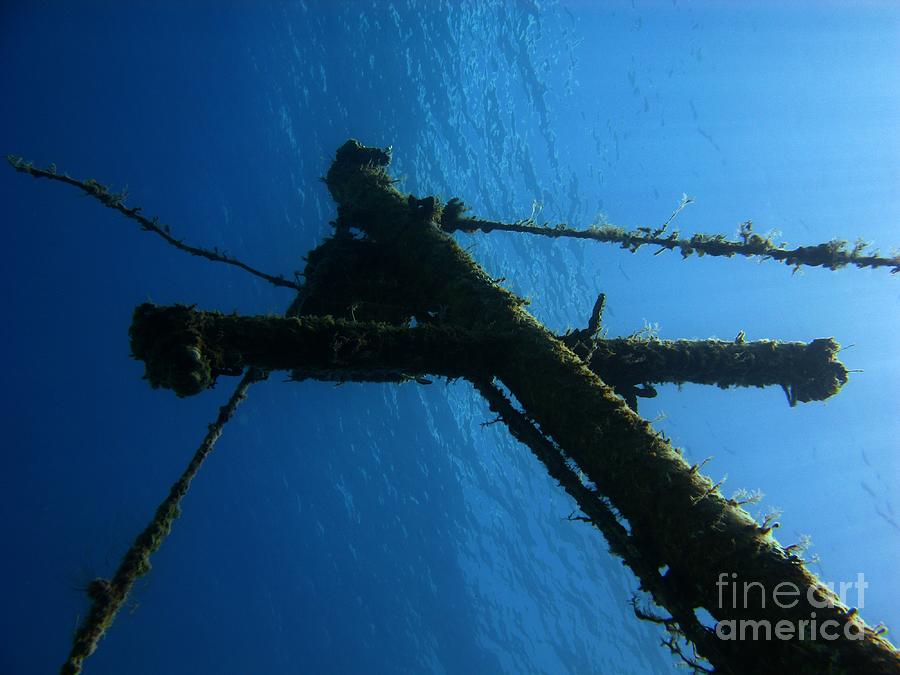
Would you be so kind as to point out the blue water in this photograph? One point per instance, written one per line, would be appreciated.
(381, 529)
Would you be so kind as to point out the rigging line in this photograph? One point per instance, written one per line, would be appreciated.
(108, 596)
(116, 201)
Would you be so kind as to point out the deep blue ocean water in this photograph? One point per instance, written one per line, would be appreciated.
(381, 528)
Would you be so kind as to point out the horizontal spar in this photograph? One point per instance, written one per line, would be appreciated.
(185, 349)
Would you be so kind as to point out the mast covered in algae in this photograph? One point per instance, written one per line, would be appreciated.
(390, 262)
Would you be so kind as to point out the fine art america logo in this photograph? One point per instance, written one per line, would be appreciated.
(735, 594)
